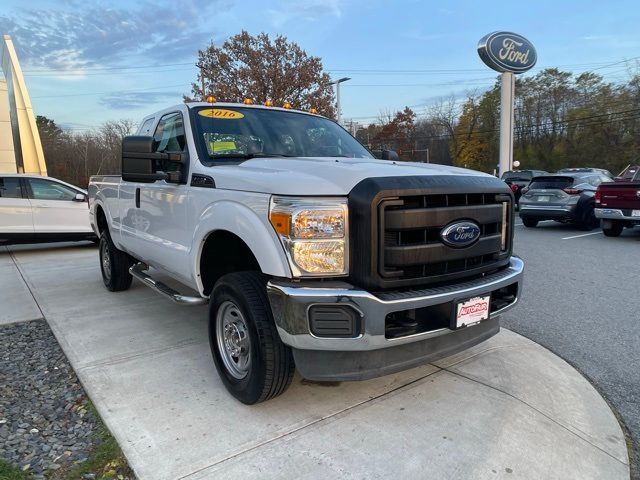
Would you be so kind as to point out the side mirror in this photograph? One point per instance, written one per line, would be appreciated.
(140, 161)
(80, 197)
(390, 155)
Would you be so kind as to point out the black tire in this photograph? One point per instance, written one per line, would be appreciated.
(615, 230)
(530, 222)
(270, 362)
(589, 220)
(115, 271)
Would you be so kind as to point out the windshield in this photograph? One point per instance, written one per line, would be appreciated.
(231, 133)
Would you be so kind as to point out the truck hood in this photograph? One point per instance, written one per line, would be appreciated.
(318, 176)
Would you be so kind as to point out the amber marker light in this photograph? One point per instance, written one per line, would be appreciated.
(313, 110)
(281, 222)
(286, 105)
(211, 99)
(268, 103)
(248, 101)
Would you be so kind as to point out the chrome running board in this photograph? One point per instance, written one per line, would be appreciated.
(138, 271)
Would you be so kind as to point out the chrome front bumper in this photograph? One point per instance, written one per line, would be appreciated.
(614, 214)
(290, 303)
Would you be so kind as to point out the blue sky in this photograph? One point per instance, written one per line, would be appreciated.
(87, 62)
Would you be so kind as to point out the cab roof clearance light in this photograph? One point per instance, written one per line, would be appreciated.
(268, 103)
(248, 101)
(286, 105)
(313, 110)
(211, 99)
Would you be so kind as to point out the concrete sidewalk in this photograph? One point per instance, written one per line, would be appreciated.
(507, 408)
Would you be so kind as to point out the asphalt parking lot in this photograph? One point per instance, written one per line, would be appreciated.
(581, 301)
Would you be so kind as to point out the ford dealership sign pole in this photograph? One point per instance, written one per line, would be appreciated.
(508, 53)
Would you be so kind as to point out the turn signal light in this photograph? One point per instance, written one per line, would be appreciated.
(281, 222)
(598, 195)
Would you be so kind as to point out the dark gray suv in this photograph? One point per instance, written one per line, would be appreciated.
(566, 198)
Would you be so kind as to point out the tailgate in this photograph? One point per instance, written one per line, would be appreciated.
(620, 195)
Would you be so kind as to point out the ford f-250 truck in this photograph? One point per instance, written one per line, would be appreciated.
(311, 253)
(618, 203)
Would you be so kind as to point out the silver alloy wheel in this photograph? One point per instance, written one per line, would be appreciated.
(232, 336)
(105, 260)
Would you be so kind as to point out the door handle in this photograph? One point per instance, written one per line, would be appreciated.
(137, 197)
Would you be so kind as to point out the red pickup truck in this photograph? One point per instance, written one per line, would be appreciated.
(618, 203)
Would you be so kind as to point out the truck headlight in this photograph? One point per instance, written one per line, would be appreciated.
(314, 234)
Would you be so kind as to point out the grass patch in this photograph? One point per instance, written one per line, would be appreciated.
(9, 472)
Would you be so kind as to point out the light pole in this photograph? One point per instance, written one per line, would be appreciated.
(337, 84)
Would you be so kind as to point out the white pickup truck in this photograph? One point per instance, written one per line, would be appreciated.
(311, 253)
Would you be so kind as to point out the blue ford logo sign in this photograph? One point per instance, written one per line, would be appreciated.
(460, 234)
(507, 52)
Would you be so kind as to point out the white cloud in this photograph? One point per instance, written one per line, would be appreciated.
(69, 38)
(304, 11)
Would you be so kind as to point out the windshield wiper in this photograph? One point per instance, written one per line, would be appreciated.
(247, 156)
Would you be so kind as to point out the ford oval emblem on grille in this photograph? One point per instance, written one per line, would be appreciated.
(460, 234)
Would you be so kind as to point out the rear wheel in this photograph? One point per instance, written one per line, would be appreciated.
(614, 230)
(114, 265)
(252, 361)
(530, 222)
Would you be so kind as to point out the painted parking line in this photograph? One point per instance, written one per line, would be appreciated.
(583, 235)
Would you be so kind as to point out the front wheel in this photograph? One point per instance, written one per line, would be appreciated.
(614, 230)
(252, 361)
(530, 222)
(114, 265)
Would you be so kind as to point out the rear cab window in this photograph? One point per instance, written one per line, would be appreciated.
(145, 128)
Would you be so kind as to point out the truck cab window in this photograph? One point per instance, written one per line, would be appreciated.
(169, 137)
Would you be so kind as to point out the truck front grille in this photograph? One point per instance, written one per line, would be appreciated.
(410, 245)
(396, 225)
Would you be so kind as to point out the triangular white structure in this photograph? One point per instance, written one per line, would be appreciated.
(20, 146)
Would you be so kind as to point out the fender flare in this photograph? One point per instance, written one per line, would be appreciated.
(100, 201)
(246, 224)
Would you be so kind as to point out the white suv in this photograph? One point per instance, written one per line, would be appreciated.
(42, 209)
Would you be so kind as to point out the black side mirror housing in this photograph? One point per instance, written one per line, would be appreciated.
(390, 155)
(140, 160)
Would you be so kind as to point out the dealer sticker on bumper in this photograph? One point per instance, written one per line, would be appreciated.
(472, 311)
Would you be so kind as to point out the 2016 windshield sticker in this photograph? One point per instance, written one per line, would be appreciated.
(221, 113)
